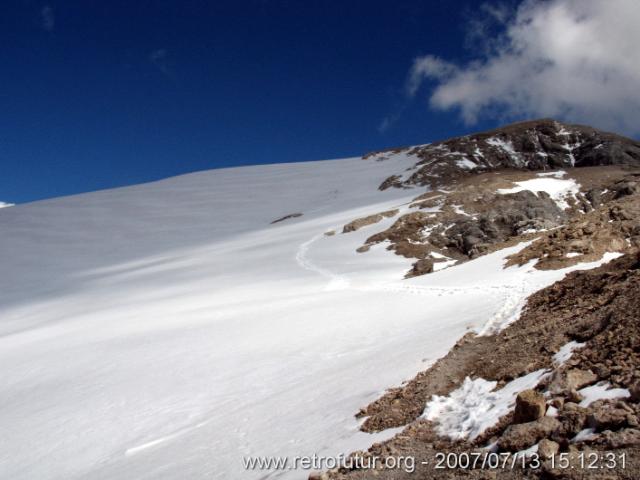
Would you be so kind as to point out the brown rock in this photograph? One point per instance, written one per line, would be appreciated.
(627, 437)
(558, 403)
(574, 396)
(573, 379)
(608, 417)
(573, 420)
(523, 435)
(530, 406)
(370, 220)
(635, 392)
(547, 448)
(577, 379)
(571, 406)
(421, 267)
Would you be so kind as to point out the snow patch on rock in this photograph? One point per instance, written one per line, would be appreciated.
(558, 189)
(601, 391)
(476, 405)
(566, 351)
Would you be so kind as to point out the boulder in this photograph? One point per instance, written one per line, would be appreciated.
(573, 379)
(530, 406)
(627, 437)
(573, 420)
(608, 417)
(577, 379)
(635, 392)
(365, 221)
(421, 267)
(547, 448)
(574, 396)
(523, 435)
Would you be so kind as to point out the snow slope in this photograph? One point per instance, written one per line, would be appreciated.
(166, 330)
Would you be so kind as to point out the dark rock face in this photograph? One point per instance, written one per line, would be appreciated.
(464, 236)
(535, 145)
(512, 214)
(287, 217)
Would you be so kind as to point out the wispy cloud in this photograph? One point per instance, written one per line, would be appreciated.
(573, 59)
(160, 59)
(47, 18)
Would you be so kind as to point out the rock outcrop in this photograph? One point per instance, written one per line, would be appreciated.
(535, 145)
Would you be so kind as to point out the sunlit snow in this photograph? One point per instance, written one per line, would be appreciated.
(166, 330)
(558, 189)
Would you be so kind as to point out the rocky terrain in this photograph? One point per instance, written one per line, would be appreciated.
(487, 191)
(573, 194)
(483, 213)
(535, 145)
(598, 311)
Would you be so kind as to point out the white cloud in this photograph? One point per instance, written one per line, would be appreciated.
(47, 18)
(572, 59)
(160, 58)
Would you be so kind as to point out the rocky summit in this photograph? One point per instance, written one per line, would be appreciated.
(535, 145)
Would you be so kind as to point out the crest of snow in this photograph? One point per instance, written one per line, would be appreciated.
(507, 147)
(533, 230)
(528, 452)
(437, 266)
(458, 209)
(570, 149)
(557, 189)
(426, 231)
(478, 153)
(566, 351)
(476, 405)
(438, 255)
(584, 435)
(523, 285)
(435, 209)
(556, 174)
(5, 205)
(572, 254)
(601, 391)
(466, 164)
(492, 447)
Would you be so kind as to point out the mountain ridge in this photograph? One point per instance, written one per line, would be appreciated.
(532, 145)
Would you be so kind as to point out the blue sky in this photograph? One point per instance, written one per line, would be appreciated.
(102, 94)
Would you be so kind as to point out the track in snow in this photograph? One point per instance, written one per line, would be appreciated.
(514, 294)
